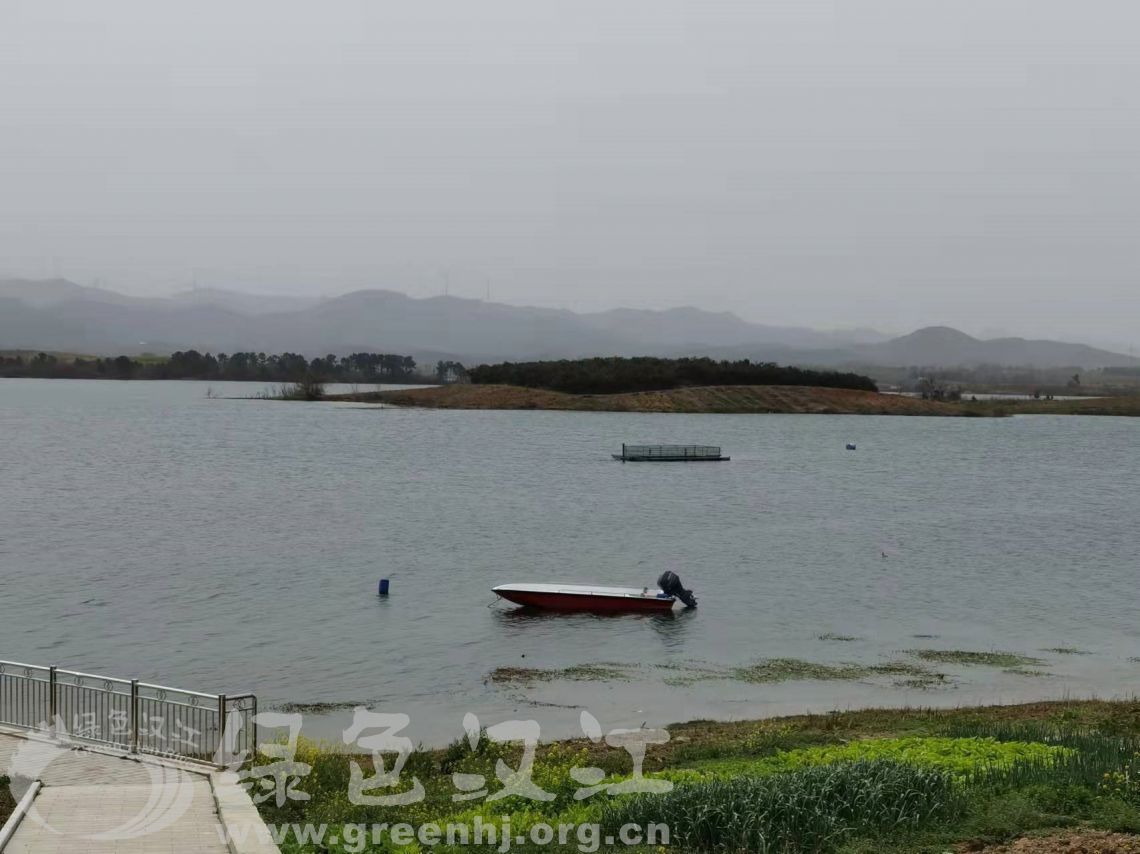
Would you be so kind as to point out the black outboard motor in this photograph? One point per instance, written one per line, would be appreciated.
(670, 583)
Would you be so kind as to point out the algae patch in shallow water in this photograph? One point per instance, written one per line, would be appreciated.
(832, 636)
(579, 672)
(788, 669)
(1007, 660)
(683, 675)
(902, 674)
(317, 708)
(1067, 650)
(785, 669)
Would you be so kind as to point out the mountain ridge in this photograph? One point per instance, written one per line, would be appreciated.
(60, 315)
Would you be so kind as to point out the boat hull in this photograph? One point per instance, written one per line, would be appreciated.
(567, 601)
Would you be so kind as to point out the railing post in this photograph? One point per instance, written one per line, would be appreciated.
(53, 699)
(134, 715)
(222, 727)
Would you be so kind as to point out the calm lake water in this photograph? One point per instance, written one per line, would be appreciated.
(231, 545)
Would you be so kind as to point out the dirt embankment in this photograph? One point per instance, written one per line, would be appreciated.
(1066, 842)
(729, 399)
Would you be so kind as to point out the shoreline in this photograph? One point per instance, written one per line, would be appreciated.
(1053, 775)
(759, 400)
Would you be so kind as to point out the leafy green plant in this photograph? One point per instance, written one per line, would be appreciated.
(1123, 783)
(959, 756)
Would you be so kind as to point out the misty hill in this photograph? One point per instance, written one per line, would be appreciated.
(64, 316)
(941, 345)
(682, 327)
(243, 303)
(58, 314)
(44, 293)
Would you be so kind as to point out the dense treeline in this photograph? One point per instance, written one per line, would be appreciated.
(284, 367)
(615, 375)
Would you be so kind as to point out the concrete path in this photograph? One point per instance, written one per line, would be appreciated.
(96, 803)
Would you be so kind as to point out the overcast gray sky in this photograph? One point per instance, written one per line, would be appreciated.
(892, 163)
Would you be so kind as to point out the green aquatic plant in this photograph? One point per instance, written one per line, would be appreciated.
(789, 669)
(984, 659)
(319, 708)
(577, 672)
(925, 682)
(785, 669)
(1067, 650)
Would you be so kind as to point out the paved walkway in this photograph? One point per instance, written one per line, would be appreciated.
(104, 804)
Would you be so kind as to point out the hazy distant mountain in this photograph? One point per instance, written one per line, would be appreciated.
(243, 303)
(103, 328)
(941, 345)
(61, 315)
(42, 293)
(394, 322)
(681, 327)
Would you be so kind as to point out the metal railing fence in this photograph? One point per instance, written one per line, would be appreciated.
(670, 450)
(126, 714)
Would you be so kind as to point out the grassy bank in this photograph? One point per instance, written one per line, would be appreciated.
(846, 783)
(733, 399)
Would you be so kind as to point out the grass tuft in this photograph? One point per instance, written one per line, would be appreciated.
(813, 809)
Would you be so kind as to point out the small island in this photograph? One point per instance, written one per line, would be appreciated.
(704, 386)
(797, 400)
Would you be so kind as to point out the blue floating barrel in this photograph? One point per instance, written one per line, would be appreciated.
(383, 586)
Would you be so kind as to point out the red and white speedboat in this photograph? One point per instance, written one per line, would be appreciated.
(586, 597)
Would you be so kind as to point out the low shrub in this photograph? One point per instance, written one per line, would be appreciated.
(7, 802)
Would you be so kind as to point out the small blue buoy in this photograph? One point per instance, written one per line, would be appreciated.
(383, 586)
(851, 446)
